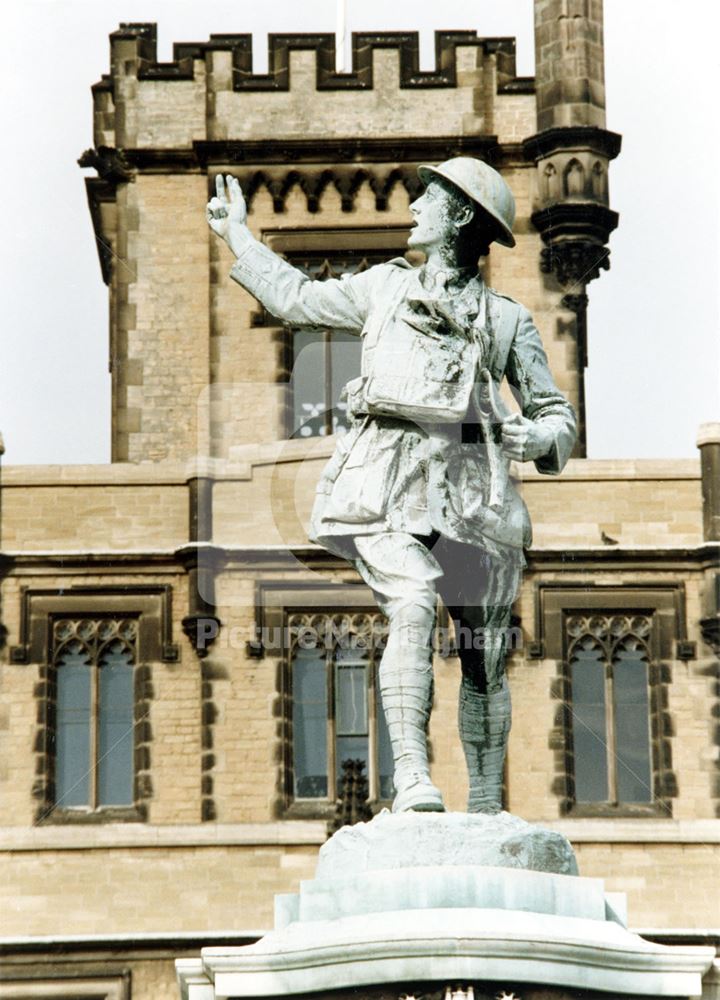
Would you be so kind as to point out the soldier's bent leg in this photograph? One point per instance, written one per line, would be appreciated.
(484, 724)
(479, 592)
(402, 574)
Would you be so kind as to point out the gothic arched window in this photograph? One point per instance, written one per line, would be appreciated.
(336, 713)
(93, 663)
(610, 708)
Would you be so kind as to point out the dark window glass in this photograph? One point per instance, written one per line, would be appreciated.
(351, 711)
(589, 725)
(345, 351)
(115, 727)
(339, 672)
(323, 364)
(73, 726)
(309, 686)
(324, 361)
(310, 353)
(632, 733)
(351, 708)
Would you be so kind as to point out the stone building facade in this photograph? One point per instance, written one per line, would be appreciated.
(160, 716)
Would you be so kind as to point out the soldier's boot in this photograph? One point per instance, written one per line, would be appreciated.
(484, 727)
(406, 684)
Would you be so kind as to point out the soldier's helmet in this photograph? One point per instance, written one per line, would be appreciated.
(483, 185)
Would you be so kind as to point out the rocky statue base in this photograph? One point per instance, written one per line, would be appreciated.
(447, 906)
(406, 840)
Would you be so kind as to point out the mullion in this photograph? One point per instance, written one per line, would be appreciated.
(94, 727)
(94, 734)
(373, 741)
(331, 727)
(611, 750)
(328, 415)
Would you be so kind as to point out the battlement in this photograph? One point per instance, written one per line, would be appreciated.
(209, 92)
(360, 77)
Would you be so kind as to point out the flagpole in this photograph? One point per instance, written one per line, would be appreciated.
(340, 36)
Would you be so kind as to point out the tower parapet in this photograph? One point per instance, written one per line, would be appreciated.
(301, 94)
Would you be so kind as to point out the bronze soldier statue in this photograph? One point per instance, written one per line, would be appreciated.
(417, 494)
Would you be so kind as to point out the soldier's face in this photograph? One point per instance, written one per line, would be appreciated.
(432, 213)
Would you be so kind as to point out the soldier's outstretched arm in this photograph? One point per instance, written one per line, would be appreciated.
(284, 291)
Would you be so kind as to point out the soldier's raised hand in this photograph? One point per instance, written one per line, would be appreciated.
(227, 210)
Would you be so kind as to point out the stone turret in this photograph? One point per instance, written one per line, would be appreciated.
(572, 150)
(569, 76)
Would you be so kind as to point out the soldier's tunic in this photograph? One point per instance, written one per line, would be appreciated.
(393, 475)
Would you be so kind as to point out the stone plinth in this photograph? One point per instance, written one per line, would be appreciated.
(442, 905)
(404, 840)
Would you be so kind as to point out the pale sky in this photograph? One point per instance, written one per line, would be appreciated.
(653, 320)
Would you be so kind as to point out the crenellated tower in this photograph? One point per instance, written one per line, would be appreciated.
(328, 163)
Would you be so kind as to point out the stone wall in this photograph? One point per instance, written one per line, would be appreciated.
(182, 883)
(161, 359)
(264, 494)
(216, 748)
(157, 881)
(644, 503)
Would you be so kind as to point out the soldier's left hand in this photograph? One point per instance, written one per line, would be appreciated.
(523, 440)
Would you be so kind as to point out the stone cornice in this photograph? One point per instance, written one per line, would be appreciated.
(177, 473)
(585, 558)
(328, 152)
(164, 944)
(338, 151)
(575, 234)
(343, 150)
(109, 162)
(117, 836)
(162, 561)
(576, 220)
(710, 630)
(621, 830)
(568, 558)
(572, 137)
